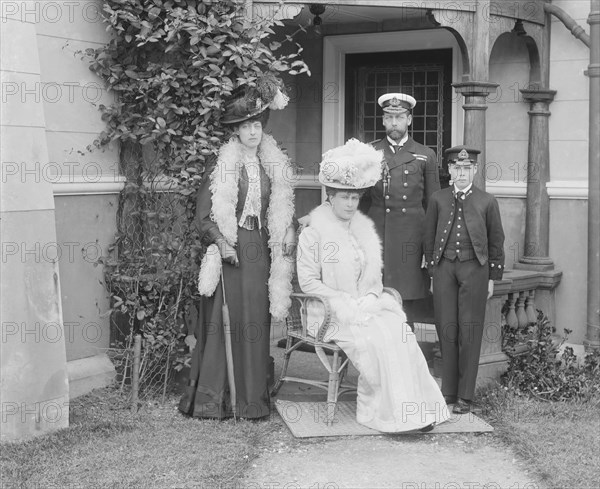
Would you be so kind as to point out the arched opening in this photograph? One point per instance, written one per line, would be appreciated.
(464, 52)
(507, 134)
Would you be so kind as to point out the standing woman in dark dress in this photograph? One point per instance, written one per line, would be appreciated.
(245, 210)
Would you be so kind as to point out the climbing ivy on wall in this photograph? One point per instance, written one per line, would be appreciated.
(169, 65)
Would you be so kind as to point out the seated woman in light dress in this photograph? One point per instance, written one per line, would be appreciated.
(339, 256)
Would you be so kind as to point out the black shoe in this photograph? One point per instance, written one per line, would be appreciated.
(462, 406)
(450, 399)
(427, 428)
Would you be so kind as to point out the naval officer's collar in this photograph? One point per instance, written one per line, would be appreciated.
(393, 143)
(468, 190)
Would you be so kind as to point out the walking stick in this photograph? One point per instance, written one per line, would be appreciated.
(228, 351)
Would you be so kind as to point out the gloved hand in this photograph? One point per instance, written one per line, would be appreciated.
(367, 301)
(490, 289)
(228, 253)
(289, 242)
(190, 341)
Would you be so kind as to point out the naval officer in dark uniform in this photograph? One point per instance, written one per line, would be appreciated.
(464, 248)
(397, 203)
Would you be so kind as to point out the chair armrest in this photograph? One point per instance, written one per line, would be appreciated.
(394, 293)
(303, 299)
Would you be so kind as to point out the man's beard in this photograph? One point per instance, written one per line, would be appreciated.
(395, 134)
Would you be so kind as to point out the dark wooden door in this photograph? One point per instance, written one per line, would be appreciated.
(426, 75)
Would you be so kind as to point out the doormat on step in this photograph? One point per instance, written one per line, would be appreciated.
(307, 419)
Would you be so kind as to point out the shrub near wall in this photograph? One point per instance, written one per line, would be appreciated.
(170, 64)
(539, 370)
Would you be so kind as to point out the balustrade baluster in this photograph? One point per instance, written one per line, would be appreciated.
(520, 310)
(511, 316)
(530, 307)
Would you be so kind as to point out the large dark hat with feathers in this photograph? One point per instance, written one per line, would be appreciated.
(247, 102)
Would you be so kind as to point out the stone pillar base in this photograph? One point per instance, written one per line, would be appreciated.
(491, 369)
(590, 346)
(534, 263)
(86, 374)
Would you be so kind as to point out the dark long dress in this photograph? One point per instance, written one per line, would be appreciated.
(207, 393)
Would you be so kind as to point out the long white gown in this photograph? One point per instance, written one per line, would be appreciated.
(396, 392)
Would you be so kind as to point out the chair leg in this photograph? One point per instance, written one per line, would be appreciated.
(286, 361)
(332, 388)
(343, 370)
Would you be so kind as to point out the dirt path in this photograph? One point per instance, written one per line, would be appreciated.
(449, 461)
(439, 461)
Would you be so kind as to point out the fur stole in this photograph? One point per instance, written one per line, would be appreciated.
(345, 305)
(332, 230)
(224, 190)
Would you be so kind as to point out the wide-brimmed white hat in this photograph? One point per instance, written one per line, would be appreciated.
(354, 165)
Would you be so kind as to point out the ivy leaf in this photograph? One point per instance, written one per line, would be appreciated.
(154, 13)
(279, 66)
(170, 64)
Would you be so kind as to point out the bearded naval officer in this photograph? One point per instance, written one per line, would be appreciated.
(398, 202)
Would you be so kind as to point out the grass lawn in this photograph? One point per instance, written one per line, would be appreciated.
(106, 446)
(561, 440)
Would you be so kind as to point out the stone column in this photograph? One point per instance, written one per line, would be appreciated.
(34, 386)
(475, 105)
(537, 221)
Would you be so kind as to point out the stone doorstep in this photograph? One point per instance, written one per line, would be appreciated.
(86, 374)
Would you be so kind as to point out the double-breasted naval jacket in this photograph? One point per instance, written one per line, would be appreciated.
(397, 206)
(483, 223)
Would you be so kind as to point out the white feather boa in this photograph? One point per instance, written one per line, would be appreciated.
(224, 190)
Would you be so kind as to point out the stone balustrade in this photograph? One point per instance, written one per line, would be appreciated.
(521, 309)
(523, 292)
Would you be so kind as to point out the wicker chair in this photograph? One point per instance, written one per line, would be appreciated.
(336, 364)
(297, 335)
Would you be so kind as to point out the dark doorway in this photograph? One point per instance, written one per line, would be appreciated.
(426, 75)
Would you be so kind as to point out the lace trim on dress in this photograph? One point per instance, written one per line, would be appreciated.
(252, 205)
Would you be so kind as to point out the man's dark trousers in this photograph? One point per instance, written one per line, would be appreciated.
(460, 296)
